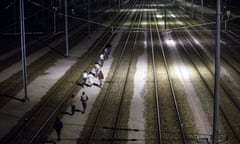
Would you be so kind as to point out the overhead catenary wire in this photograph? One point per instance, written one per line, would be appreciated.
(15, 23)
(120, 29)
(124, 28)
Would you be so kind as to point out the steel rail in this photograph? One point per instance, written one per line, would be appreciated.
(224, 92)
(106, 96)
(114, 134)
(197, 49)
(155, 84)
(20, 132)
(180, 122)
(235, 132)
(29, 134)
(203, 60)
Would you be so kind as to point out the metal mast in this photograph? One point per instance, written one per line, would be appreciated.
(66, 28)
(217, 75)
(23, 47)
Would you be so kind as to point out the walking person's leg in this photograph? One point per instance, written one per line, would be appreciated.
(100, 82)
(73, 109)
(102, 63)
(96, 72)
(58, 135)
(84, 106)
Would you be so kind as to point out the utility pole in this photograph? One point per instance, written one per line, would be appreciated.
(15, 19)
(55, 9)
(89, 19)
(54, 21)
(192, 3)
(66, 28)
(23, 46)
(119, 5)
(202, 8)
(98, 13)
(217, 74)
(165, 17)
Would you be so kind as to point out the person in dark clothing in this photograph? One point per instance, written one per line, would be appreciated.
(58, 125)
(109, 49)
(106, 53)
(73, 104)
(100, 77)
(84, 99)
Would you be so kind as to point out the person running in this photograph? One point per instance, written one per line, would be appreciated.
(84, 99)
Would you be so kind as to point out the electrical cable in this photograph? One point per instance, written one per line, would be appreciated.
(122, 29)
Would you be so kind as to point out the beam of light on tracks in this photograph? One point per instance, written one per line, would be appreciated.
(170, 42)
(138, 10)
(196, 41)
(183, 70)
(145, 44)
(159, 16)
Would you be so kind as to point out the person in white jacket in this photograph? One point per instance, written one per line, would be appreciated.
(90, 79)
(102, 59)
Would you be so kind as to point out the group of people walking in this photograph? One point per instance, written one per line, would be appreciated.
(83, 99)
(88, 80)
(88, 77)
(58, 124)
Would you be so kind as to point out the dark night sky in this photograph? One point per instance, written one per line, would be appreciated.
(9, 12)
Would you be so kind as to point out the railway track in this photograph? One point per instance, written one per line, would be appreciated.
(108, 120)
(159, 60)
(229, 99)
(11, 86)
(224, 93)
(33, 127)
(107, 126)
